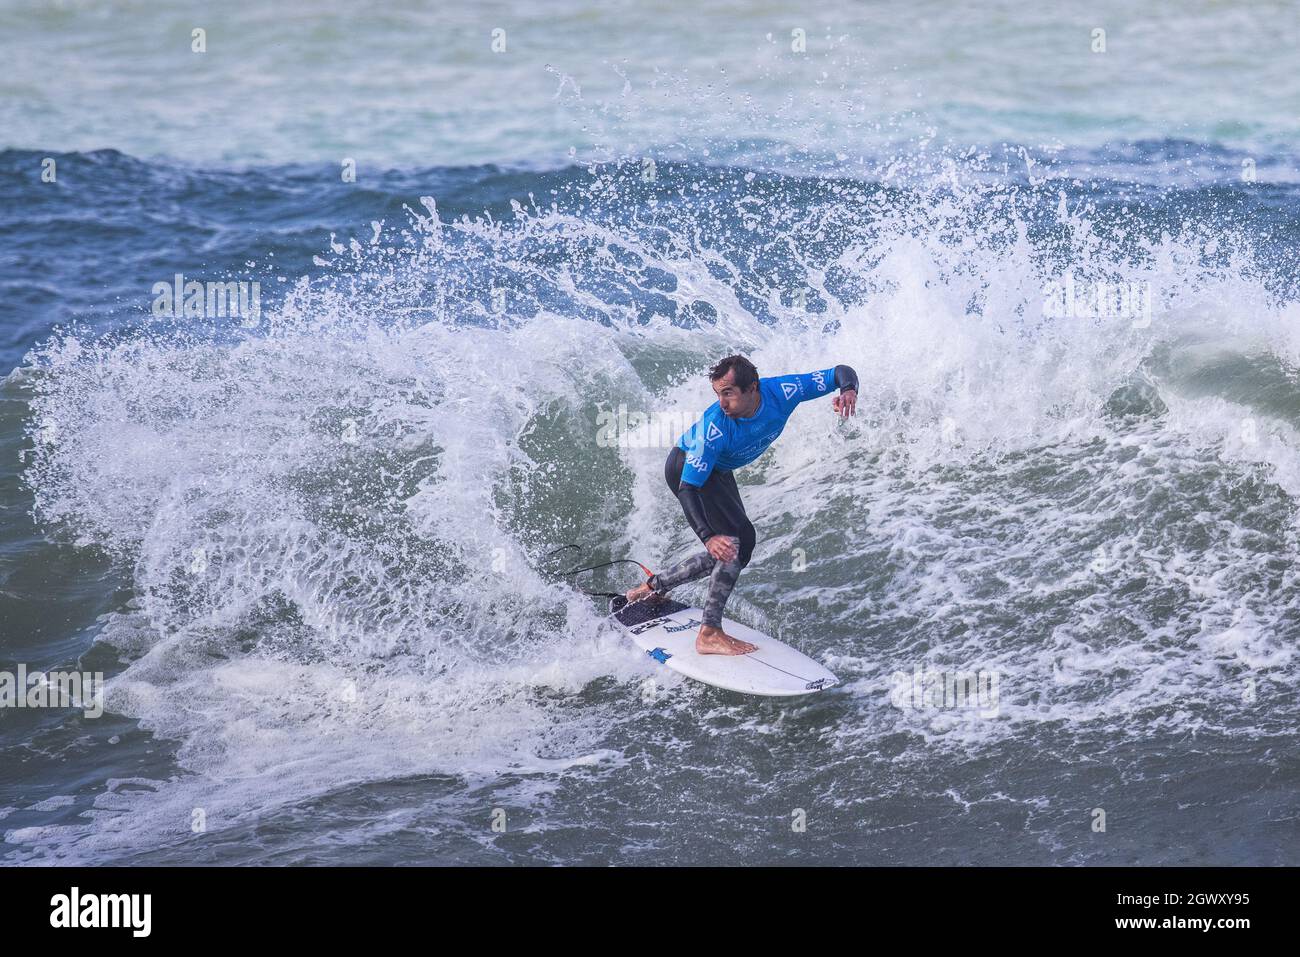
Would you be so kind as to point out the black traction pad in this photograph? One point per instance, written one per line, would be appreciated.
(645, 610)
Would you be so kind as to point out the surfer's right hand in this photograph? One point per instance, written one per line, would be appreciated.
(723, 547)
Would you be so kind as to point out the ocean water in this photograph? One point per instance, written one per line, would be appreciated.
(312, 547)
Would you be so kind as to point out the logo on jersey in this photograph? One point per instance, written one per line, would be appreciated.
(789, 388)
(714, 432)
(820, 379)
(697, 462)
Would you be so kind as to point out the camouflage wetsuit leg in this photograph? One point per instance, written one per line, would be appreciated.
(726, 513)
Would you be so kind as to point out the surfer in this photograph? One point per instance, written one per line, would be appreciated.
(749, 414)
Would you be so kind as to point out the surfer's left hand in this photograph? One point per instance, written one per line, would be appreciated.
(845, 403)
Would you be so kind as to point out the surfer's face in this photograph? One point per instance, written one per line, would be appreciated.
(734, 403)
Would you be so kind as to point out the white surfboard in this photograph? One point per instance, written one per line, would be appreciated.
(666, 630)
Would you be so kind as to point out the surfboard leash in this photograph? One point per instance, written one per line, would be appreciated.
(590, 568)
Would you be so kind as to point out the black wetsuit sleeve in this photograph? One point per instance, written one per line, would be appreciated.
(846, 378)
(693, 506)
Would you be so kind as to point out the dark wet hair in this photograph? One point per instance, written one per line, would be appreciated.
(746, 374)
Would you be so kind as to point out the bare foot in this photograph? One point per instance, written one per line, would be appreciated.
(715, 641)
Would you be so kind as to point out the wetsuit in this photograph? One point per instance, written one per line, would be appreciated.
(699, 472)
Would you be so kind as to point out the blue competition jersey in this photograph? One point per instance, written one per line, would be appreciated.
(727, 443)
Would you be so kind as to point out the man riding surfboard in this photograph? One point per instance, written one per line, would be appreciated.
(749, 414)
